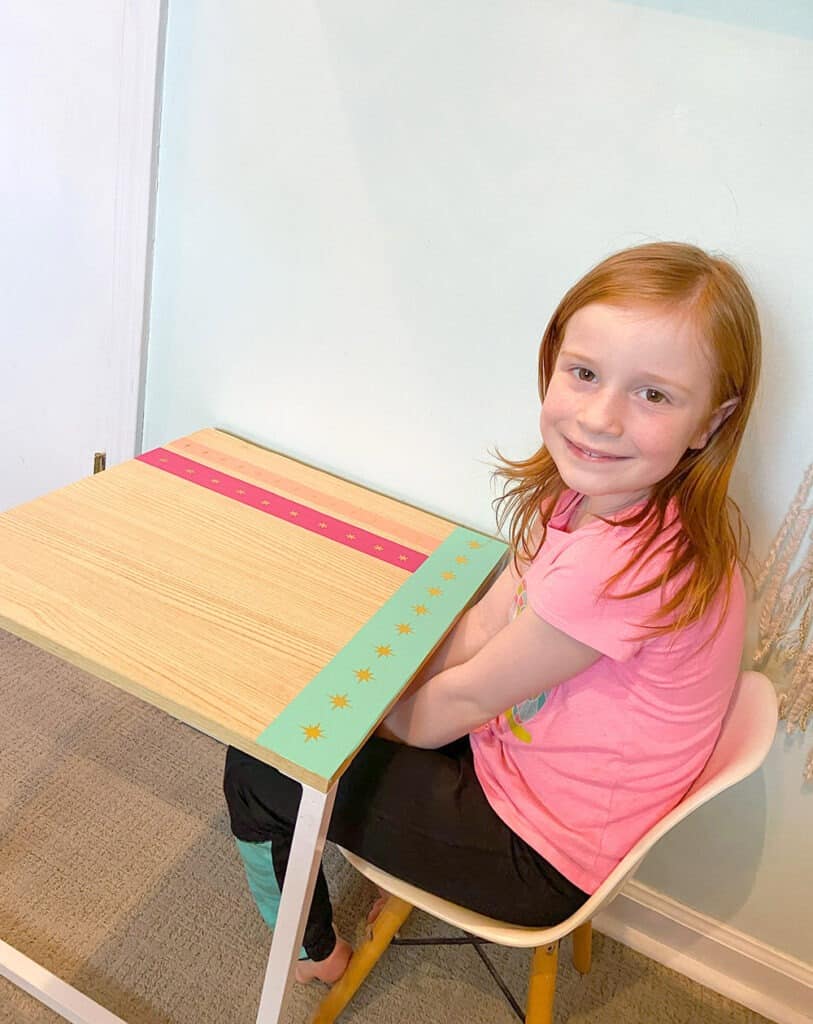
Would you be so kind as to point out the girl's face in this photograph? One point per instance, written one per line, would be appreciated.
(630, 392)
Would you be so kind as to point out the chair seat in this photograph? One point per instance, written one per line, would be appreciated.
(483, 927)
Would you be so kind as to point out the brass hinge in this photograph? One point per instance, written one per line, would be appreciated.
(99, 462)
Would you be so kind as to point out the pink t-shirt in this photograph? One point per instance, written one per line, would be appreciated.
(582, 772)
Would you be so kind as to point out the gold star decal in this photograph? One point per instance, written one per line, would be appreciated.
(448, 575)
(420, 609)
(322, 526)
(461, 560)
(350, 536)
(364, 675)
(378, 547)
(312, 732)
(163, 460)
(339, 700)
(294, 513)
(215, 481)
(475, 544)
(384, 651)
(191, 472)
(434, 591)
(403, 628)
(265, 502)
(241, 492)
(402, 558)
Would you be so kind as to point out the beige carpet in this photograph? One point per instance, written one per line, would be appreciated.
(118, 874)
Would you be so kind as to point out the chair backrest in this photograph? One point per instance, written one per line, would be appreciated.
(746, 736)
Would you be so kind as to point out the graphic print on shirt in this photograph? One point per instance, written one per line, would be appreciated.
(523, 712)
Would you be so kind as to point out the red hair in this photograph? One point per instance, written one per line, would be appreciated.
(668, 276)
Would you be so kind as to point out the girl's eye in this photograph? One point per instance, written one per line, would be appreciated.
(655, 397)
(583, 374)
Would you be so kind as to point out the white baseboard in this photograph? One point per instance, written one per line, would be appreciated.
(712, 954)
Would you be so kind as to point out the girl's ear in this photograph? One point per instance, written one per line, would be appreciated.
(720, 415)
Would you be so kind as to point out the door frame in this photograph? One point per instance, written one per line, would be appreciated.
(143, 36)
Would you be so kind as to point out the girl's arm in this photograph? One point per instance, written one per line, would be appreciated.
(520, 660)
(470, 633)
(473, 629)
(478, 624)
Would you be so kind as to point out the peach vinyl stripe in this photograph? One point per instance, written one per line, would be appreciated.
(310, 495)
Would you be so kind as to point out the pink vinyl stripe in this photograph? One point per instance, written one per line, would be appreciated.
(283, 508)
(309, 494)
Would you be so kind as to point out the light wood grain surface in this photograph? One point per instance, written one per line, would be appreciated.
(202, 606)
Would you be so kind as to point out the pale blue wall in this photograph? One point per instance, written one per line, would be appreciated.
(367, 211)
(791, 17)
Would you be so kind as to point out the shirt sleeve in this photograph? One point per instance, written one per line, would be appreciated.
(566, 591)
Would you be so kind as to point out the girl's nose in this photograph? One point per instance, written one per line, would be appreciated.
(602, 413)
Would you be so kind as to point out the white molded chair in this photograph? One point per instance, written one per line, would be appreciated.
(744, 741)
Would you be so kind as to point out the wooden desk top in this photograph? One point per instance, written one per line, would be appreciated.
(267, 603)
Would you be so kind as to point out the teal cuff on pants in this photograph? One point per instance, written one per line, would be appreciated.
(262, 881)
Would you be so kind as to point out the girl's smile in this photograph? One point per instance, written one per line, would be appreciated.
(631, 391)
(592, 454)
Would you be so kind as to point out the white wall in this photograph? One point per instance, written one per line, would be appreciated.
(77, 99)
(367, 211)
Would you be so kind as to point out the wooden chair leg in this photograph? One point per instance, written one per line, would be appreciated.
(393, 914)
(583, 947)
(542, 986)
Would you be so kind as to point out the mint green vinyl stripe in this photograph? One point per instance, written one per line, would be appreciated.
(336, 710)
(262, 881)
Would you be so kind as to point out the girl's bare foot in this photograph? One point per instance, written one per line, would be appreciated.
(377, 907)
(331, 968)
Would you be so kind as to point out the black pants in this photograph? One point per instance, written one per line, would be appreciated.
(420, 815)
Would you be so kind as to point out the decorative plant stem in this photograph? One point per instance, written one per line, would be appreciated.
(787, 613)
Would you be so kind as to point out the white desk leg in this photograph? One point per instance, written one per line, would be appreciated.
(300, 878)
(50, 990)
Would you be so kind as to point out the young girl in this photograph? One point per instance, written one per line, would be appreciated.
(575, 703)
